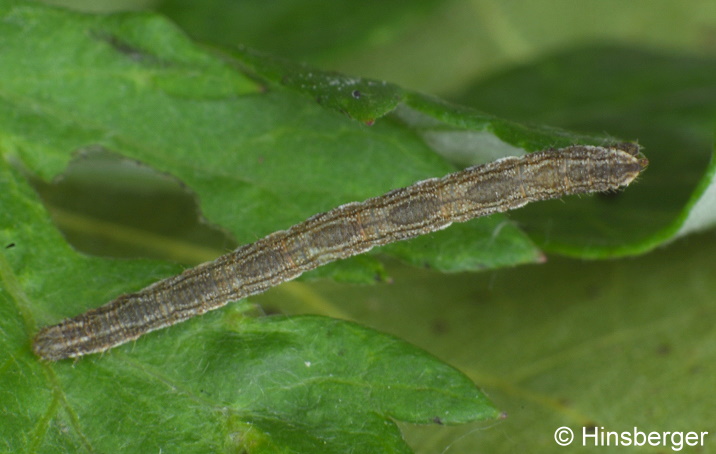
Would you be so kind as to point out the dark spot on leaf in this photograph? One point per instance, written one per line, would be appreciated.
(10, 246)
(271, 311)
(663, 349)
(356, 94)
(437, 420)
(370, 121)
(123, 47)
(440, 326)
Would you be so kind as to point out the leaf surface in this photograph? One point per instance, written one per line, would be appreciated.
(260, 146)
(664, 100)
(220, 383)
(226, 382)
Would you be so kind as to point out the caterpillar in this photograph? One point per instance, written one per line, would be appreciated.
(342, 232)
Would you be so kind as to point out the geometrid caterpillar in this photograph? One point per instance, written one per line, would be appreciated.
(348, 230)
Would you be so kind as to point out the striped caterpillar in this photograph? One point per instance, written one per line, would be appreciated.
(347, 230)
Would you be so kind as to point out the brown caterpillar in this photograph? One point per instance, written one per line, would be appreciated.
(348, 230)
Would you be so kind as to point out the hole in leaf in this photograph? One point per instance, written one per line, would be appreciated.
(107, 205)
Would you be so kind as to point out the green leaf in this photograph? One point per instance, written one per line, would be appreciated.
(666, 101)
(362, 99)
(222, 383)
(256, 162)
(614, 343)
(334, 26)
(259, 154)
